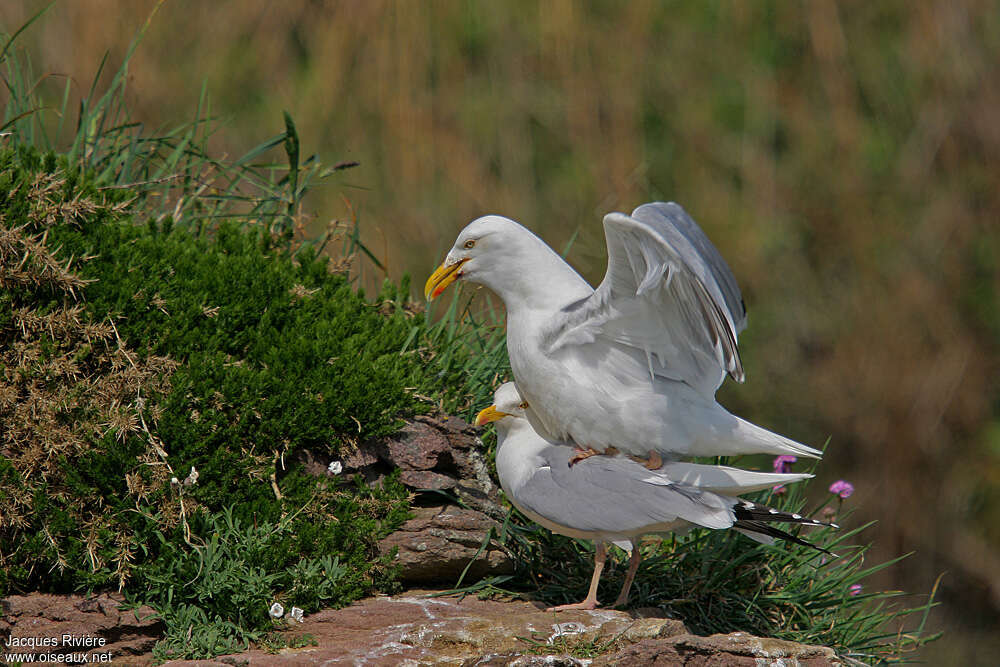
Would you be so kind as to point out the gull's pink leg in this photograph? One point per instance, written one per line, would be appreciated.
(590, 602)
(633, 566)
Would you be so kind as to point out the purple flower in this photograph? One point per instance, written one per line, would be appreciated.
(779, 490)
(854, 589)
(784, 463)
(842, 488)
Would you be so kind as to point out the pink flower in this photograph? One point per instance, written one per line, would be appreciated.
(784, 463)
(779, 490)
(842, 488)
(854, 589)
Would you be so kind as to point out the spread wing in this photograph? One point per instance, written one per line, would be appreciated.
(667, 292)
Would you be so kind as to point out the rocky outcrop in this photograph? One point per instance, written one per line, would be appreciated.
(413, 628)
(439, 542)
(736, 649)
(434, 455)
(417, 629)
(73, 624)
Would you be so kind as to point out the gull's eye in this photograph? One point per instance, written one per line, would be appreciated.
(523, 405)
(471, 243)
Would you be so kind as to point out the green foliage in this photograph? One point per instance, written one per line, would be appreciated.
(215, 597)
(469, 346)
(286, 357)
(268, 356)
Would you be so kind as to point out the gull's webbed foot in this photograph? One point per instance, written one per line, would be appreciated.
(653, 462)
(582, 454)
(587, 605)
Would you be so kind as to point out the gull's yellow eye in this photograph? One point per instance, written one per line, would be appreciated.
(470, 243)
(523, 405)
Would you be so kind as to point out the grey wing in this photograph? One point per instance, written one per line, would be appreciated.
(667, 292)
(616, 495)
(663, 215)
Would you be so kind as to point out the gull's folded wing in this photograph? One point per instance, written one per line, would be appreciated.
(614, 495)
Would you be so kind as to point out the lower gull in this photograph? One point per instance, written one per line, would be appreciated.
(617, 499)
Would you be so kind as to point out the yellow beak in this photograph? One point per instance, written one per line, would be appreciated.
(490, 414)
(445, 275)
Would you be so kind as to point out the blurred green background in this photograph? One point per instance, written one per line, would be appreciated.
(844, 157)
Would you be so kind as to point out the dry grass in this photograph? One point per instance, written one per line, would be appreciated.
(66, 383)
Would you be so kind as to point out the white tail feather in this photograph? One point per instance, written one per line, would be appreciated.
(762, 441)
(726, 480)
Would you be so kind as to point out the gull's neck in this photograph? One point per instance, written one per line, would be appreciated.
(533, 277)
(517, 440)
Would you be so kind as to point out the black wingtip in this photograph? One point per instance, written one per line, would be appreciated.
(757, 518)
(745, 510)
(762, 528)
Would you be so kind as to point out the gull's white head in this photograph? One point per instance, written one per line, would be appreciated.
(510, 260)
(507, 406)
(482, 249)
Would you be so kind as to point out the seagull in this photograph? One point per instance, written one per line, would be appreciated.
(615, 499)
(633, 365)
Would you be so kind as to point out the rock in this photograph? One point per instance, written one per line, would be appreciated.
(432, 453)
(426, 479)
(439, 542)
(448, 448)
(416, 629)
(518, 660)
(419, 446)
(76, 624)
(737, 649)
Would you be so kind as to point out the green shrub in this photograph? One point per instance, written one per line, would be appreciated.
(215, 597)
(215, 351)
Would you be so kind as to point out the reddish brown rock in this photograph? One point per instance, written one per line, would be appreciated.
(427, 479)
(418, 446)
(415, 629)
(439, 542)
(737, 649)
(431, 453)
(520, 660)
(76, 624)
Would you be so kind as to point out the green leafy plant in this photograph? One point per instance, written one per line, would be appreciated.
(215, 597)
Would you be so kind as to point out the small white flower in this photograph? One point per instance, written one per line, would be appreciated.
(335, 468)
(192, 477)
(277, 611)
(295, 614)
(174, 481)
